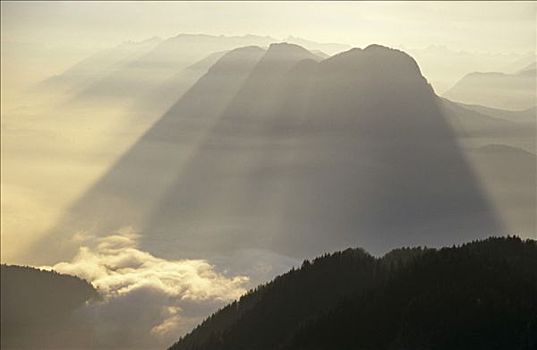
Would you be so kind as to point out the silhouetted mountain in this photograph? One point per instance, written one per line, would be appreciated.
(294, 156)
(481, 295)
(96, 67)
(173, 88)
(499, 90)
(310, 148)
(140, 75)
(38, 308)
(144, 174)
(118, 77)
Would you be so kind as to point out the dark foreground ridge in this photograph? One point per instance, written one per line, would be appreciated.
(38, 309)
(480, 295)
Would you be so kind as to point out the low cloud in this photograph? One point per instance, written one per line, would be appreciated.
(148, 302)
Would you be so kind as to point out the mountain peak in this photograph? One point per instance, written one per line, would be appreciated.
(285, 47)
(381, 60)
(287, 52)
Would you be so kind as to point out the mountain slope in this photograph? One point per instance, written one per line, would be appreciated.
(96, 67)
(525, 116)
(293, 291)
(140, 75)
(480, 295)
(320, 149)
(284, 149)
(38, 308)
(128, 192)
(516, 91)
(173, 88)
(478, 125)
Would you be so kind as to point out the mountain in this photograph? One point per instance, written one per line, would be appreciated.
(480, 295)
(329, 48)
(140, 75)
(524, 116)
(132, 70)
(521, 63)
(173, 88)
(515, 91)
(293, 155)
(500, 147)
(95, 67)
(319, 149)
(479, 125)
(444, 66)
(162, 97)
(144, 173)
(38, 308)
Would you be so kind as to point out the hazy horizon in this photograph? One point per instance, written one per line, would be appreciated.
(56, 35)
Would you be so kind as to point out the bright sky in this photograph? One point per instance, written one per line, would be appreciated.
(41, 38)
(475, 26)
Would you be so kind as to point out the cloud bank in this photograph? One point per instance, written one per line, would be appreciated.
(148, 302)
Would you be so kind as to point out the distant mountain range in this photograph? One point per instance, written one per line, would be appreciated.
(517, 91)
(134, 69)
(285, 151)
(480, 295)
(444, 66)
(96, 67)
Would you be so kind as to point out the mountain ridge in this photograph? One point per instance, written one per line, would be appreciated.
(299, 149)
(313, 316)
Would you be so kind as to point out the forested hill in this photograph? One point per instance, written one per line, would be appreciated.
(38, 306)
(481, 295)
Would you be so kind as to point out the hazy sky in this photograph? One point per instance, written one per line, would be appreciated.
(485, 26)
(40, 39)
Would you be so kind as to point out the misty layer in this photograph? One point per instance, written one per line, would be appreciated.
(516, 91)
(158, 298)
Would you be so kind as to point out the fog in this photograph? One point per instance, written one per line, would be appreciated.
(161, 299)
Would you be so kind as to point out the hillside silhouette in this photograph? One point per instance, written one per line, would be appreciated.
(38, 309)
(479, 295)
